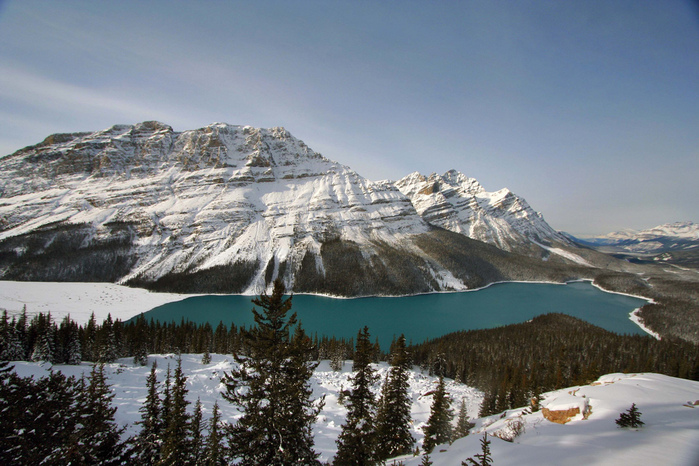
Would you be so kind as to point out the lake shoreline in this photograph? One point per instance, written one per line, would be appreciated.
(81, 299)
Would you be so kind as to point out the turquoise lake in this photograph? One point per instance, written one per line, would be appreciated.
(424, 316)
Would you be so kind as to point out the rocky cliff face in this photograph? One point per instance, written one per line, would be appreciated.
(230, 208)
(460, 204)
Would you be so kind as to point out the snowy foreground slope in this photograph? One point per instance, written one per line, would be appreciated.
(203, 381)
(670, 435)
(669, 407)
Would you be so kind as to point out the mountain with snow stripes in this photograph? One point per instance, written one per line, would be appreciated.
(231, 208)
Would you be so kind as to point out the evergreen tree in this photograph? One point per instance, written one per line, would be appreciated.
(148, 442)
(197, 429)
(39, 418)
(483, 458)
(70, 342)
(206, 357)
(271, 387)
(630, 418)
(214, 452)
(99, 439)
(176, 448)
(139, 342)
(393, 418)
(13, 349)
(167, 400)
(109, 348)
(463, 424)
(357, 441)
(44, 348)
(89, 340)
(438, 427)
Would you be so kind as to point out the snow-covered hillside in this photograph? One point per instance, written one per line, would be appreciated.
(230, 208)
(669, 408)
(129, 384)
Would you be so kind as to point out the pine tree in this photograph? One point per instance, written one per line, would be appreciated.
(214, 452)
(176, 448)
(167, 400)
(271, 387)
(438, 427)
(39, 418)
(72, 353)
(197, 428)
(89, 340)
(99, 439)
(483, 458)
(630, 418)
(109, 349)
(393, 418)
(44, 348)
(357, 441)
(140, 341)
(13, 349)
(148, 442)
(463, 424)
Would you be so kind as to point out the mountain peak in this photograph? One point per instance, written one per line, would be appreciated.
(458, 203)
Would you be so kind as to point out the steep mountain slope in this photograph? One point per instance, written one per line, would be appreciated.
(225, 208)
(460, 204)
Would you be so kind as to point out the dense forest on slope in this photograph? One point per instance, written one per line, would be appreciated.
(675, 310)
(514, 363)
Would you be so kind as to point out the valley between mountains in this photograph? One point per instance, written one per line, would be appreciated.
(229, 209)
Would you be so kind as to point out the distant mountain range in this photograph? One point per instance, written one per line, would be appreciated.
(230, 208)
(668, 237)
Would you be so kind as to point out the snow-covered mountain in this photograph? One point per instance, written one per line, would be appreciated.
(460, 204)
(230, 208)
(676, 236)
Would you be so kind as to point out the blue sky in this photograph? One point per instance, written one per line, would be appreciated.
(589, 109)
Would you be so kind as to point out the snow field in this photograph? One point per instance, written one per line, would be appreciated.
(669, 408)
(128, 382)
(667, 405)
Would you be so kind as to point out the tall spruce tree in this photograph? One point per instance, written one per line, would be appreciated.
(214, 450)
(89, 340)
(99, 439)
(147, 443)
(197, 435)
(356, 444)
(393, 419)
(109, 347)
(45, 347)
(271, 388)
(438, 427)
(463, 424)
(176, 448)
(39, 418)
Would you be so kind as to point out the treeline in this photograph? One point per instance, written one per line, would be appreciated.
(40, 338)
(515, 363)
